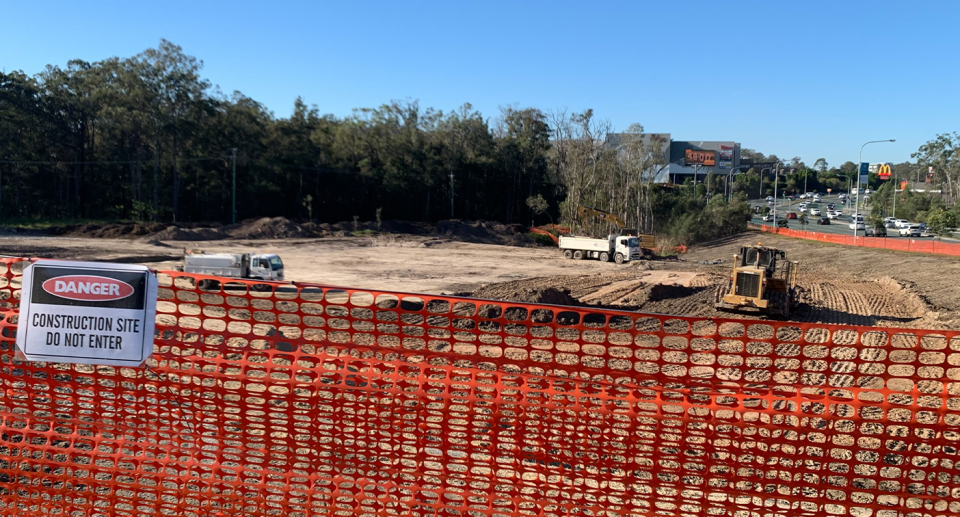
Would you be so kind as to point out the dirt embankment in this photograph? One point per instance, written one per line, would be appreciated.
(485, 232)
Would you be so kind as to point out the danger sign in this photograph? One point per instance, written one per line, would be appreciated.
(87, 313)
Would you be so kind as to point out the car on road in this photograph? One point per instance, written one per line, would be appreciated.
(814, 211)
(831, 206)
(823, 220)
(768, 218)
(791, 215)
(857, 225)
(879, 231)
(901, 223)
(912, 230)
(833, 214)
(769, 199)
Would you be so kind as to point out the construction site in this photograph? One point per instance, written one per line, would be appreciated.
(465, 369)
(836, 284)
(341, 259)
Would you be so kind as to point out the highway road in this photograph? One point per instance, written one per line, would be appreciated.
(838, 226)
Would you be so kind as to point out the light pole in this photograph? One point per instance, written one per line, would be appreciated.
(761, 181)
(856, 216)
(776, 182)
(233, 187)
(726, 188)
(894, 215)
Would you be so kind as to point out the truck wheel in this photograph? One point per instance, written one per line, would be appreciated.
(618, 258)
(567, 254)
(578, 255)
(604, 257)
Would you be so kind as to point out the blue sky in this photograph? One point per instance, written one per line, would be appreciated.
(809, 79)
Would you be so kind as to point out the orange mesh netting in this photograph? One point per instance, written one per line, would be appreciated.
(314, 400)
(925, 245)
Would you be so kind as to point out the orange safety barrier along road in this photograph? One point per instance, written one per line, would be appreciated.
(928, 245)
(309, 400)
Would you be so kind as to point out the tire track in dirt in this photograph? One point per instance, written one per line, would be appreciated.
(864, 303)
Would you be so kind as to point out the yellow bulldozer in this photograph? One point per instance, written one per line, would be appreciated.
(763, 280)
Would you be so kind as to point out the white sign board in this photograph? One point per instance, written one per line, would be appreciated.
(87, 313)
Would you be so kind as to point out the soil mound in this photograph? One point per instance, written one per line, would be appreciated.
(549, 295)
(108, 231)
(268, 228)
(670, 291)
(176, 233)
(483, 232)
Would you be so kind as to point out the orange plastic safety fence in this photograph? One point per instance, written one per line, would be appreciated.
(305, 400)
(540, 231)
(932, 246)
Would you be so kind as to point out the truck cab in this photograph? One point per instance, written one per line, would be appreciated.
(626, 246)
(266, 266)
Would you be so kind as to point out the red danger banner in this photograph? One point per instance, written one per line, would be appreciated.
(310, 400)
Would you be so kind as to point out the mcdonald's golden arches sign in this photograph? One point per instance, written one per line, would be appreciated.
(884, 172)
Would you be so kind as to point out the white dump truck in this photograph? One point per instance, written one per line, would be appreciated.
(258, 266)
(620, 248)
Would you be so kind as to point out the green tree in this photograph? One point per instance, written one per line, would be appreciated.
(941, 222)
(820, 165)
(943, 155)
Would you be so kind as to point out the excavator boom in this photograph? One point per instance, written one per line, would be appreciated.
(586, 211)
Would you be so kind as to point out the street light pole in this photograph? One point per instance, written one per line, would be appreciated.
(760, 193)
(233, 187)
(894, 215)
(856, 216)
(726, 188)
(776, 182)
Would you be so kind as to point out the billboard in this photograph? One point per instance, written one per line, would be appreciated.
(725, 160)
(694, 157)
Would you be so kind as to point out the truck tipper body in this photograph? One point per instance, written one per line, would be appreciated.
(618, 248)
(258, 266)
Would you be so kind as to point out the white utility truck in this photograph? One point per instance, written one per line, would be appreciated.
(258, 266)
(620, 248)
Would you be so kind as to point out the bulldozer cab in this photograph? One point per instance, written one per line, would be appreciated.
(760, 258)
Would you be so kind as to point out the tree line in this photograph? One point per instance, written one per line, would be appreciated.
(148, 138)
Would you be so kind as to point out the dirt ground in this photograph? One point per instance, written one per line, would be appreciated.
(840, 284)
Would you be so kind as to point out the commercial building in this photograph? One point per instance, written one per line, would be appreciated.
(681, 160)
